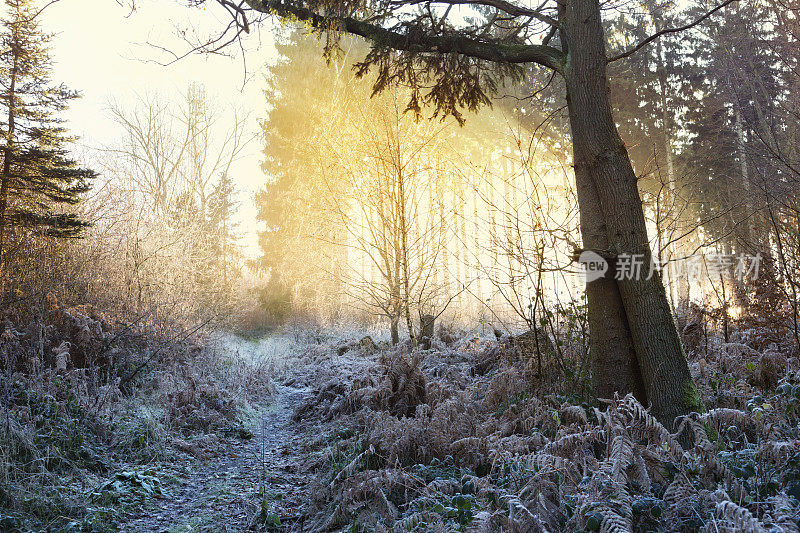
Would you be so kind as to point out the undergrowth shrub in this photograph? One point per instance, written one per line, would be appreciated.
(488, 448)
(84, 397)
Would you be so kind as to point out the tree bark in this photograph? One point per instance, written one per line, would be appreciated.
(637, 314)
(394, 330)
(426, 329)
(404, 253)
(8, 152)
(677, 289)
(613, 357)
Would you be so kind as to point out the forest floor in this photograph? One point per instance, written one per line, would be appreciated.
(314, 431)
(218, 493)
(264, 480)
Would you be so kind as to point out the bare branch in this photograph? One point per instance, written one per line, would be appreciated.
(507, 7)
(666, 31)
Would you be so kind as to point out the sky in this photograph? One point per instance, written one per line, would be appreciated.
(105, 51)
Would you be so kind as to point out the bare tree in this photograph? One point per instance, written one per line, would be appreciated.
(379, 192)
(172, 201)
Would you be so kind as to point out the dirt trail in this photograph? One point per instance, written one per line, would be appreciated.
(222, 493)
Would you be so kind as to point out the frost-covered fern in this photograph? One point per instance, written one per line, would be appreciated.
(486, 454)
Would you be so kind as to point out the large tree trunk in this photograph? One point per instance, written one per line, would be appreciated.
(635, 317)
(614, 364)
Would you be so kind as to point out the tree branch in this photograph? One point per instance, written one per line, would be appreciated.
(507, 7)
(418, 42)
(669, 30)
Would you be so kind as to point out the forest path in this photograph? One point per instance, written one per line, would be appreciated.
(223, 493)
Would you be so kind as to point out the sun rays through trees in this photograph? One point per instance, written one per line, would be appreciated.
(400, 265)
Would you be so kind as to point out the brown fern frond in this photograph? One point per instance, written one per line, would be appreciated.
(353, 465)
(621, 456)
(725, 416)
(711, 465)
(735, 518)
(411, 522)
(778, 451)
(574, 443)
(638, 416)
(637, 472)
(613, 522)
(543, 462)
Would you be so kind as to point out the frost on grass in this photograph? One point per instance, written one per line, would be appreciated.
(89, 404)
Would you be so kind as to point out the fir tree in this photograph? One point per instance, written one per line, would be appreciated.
(38, 176)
